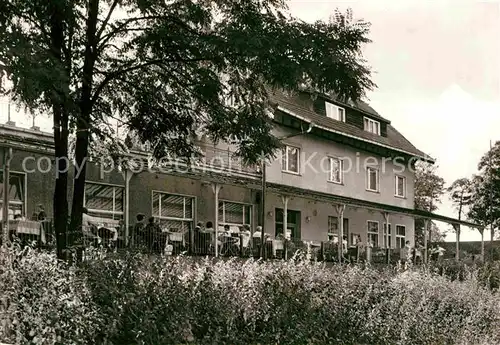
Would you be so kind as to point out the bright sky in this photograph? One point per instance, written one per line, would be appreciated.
(437, 69)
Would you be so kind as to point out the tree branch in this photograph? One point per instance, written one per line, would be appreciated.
(106, 21)
(113, 75)
(123, 27)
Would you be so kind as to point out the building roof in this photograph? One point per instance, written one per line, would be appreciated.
(359, 105)
(293, 106)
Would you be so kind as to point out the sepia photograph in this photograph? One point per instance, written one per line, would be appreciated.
(262, 172)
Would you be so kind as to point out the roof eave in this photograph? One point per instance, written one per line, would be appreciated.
(331, 130)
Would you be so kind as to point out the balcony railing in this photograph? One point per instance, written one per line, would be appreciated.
(225, 160)
(211, 159)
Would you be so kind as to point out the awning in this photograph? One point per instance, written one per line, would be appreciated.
(339, 199)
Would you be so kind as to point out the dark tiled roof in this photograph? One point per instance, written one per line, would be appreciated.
(394, 139)
(357, 105)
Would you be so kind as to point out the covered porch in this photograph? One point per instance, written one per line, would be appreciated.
(323, 220)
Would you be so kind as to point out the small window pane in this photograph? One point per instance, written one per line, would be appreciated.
(172, 206)
(372, 179)
(293, 158)
(336, 170)
(333, 225)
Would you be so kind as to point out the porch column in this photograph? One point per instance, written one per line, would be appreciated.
(127, 175)
(340, 217)
(387, 241)
(284, 199)
(426, 226)
(216, 189)
(481, 231)
(7, 156)
(456, 227)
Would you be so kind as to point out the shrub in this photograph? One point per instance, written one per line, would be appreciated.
(180, 300)
(43, 302)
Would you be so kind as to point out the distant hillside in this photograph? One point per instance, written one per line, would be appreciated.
(470, 247)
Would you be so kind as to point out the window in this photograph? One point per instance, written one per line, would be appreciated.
(290, 157)
(400, 236)
(232, 213)
(16, 194)
(372, 231)
(336, 170)
(175, 212)
(372, 126)
(400, 186)
(372, 179)
(335, 112)
(104, 201)
(292, 224)
(385, 235)
(333, 227)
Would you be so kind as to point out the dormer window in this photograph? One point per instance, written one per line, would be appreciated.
(335, 112)
(372, 126)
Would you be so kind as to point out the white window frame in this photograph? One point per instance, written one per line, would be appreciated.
(385, 234)
(368, 232)
(396, 189)
(105, 212)
(377, 180)
(334, 234)
(371, 126)
(341, 172)
(183, 219)
(400, 239)
(223, 222)
(24, 176)
(284, 160)
(335, 112)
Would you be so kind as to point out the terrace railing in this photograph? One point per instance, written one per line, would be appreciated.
(225, 159)
(211, 159)
(192, 242)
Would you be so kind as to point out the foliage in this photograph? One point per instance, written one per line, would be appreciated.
(179, 300)
(461, 191)
(31, 312)
(485, 203)
(429, 188)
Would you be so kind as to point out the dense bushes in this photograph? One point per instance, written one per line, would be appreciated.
(144, 300)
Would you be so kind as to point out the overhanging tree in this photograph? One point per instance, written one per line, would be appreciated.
(460, 191)
(429, 188)
(165, 69)
(487, 200)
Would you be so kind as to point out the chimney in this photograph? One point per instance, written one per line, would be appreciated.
(9, 122)
(33, 126)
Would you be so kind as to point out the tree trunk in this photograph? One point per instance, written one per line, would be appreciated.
(457, 247)
(60, 119)
(83, 121)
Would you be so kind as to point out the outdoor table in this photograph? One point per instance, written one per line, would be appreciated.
(28, 227)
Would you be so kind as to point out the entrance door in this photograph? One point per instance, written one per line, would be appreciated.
(293, 223)
(387, 227)
(346, 232)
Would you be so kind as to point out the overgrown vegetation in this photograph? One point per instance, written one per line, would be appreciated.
(142, 300)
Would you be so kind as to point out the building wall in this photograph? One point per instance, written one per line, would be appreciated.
(317, 228)
(314, 171)
(142, 186)
(40, 181)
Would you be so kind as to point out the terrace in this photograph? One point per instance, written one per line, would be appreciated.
(162, 240)
(211, 159)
